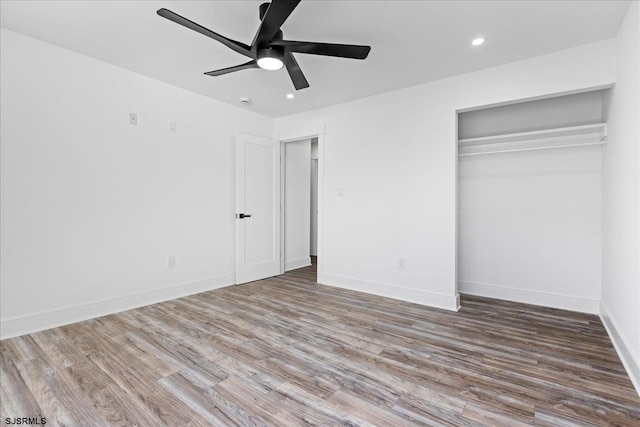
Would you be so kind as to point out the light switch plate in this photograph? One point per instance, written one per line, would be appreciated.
(133, 119)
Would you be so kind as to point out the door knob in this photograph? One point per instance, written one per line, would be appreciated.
(241, 216)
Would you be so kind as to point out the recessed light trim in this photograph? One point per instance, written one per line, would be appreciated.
(477, 41)
(290, 96)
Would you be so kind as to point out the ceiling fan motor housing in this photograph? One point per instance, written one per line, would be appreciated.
(271, 52)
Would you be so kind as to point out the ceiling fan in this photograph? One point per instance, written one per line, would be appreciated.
(268, 50)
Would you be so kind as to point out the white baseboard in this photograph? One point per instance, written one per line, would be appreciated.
(447, 302)
(630, 361)
(546, 299)
(46, 320)
(297, 263)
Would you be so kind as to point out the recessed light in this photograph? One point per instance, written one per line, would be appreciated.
(477, 41)
(290, 96)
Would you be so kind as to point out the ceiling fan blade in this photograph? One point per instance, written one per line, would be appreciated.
(247, 65)
(296, 74)
(277, 13)
(241, 48)
(328, 49)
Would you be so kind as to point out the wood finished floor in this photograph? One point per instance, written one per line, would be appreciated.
(286, 352)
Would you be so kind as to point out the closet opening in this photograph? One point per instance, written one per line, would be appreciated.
(529, 201)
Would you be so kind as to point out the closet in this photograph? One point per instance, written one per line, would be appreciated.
(529, 200)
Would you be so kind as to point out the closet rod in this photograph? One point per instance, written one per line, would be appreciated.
(513, 150)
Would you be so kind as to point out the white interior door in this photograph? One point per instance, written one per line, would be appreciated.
(257, 208)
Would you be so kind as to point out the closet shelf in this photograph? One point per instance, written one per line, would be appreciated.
(573, 136)
(600, 128)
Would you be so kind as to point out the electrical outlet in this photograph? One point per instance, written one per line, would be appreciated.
(402, 263)
(133, 119)
(340, 191)
(172, 126)
(171, 261)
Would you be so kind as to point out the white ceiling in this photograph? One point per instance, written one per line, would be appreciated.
(412, 41)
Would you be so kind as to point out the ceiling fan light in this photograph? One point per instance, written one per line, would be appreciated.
(270, 59)
(269, 63)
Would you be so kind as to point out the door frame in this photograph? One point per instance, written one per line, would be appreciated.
(291, 135)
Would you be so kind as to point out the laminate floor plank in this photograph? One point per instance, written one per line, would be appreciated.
(288, 351)
(367, 410)
(422, 413)
(324, 407)
(35, 376)
(263, 405)
(16, 397)
(16, 350)
(338, 370)
(145, 388)
(195, 395)
(181, 356)
(295, 371)
(110, 402)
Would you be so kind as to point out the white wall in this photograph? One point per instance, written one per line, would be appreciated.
(394, 155)
(91, 206)
(297, 196)
(620, 308)
(530, 227)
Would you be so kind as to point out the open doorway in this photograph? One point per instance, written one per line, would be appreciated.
(313, 249)
(300, 206)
